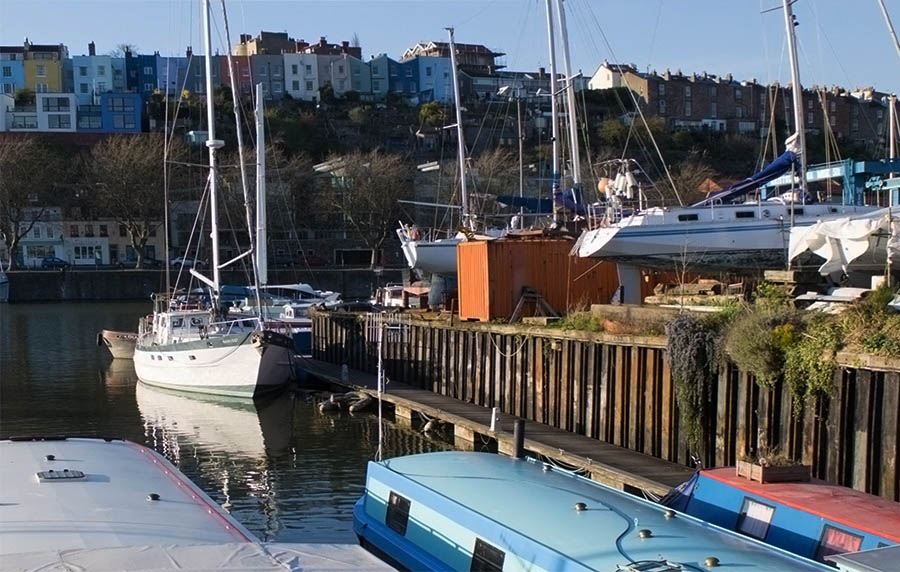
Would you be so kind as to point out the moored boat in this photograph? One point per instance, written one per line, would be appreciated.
(119, 344)
(481, 511)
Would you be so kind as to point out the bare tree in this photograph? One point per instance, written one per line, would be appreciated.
(493, 173)
(369, 186)
(29, 170)
(122, 49)
(125, 176)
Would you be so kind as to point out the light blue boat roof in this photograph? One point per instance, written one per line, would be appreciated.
(539, 504)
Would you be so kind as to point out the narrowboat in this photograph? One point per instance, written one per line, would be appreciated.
(110, 504)
(482, 511)
(812, 519)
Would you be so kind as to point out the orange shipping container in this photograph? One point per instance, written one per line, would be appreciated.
(492, 274)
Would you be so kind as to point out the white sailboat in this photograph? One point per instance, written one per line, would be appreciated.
(711, 236)
(203, 350)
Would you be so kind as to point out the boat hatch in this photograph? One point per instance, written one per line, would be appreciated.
(650, 566)
(397, 513)
(63, 475)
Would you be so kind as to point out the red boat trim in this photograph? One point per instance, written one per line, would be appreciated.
(711, 473)
(211, 510)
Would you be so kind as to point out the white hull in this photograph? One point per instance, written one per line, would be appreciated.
(235, 366)
(724, 243)
(433, 257)
(119, 344)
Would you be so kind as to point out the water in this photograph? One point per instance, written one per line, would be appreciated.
(285, 471)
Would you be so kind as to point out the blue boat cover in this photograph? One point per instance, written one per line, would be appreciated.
(772, 171)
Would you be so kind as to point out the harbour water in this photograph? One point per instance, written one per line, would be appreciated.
(284, 470)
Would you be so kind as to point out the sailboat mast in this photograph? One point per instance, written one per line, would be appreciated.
(554, 111)
(890, 26)
(262, 265)
(797, 93)
(461, 141)
(212, 144)
(570, 97)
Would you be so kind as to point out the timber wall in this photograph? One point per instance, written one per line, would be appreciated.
(619, 389)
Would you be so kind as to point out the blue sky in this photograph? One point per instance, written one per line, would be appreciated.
(843, 42)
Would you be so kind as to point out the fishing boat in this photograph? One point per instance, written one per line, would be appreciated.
(812, 519)
(715, 233)
(109, 504)
(202, 349)
(482, 511)
(120, 344)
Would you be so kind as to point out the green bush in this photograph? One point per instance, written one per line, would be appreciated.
(809, 362)
(757, 340)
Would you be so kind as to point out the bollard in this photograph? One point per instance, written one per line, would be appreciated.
(518, 438)
(494, 417)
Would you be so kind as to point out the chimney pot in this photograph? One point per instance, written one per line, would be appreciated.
(92, 49)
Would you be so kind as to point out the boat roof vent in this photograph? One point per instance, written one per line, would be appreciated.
(650, 566)
(63, 475)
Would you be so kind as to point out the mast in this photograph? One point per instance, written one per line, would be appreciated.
(554, 111)
(461, 141)
(890, 26)
(262, 265)
(213, 144)
(797, 93)
(570, 98)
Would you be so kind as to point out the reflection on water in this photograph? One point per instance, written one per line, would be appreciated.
(284, 470)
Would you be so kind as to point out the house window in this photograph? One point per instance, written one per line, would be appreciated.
(37, 231)
(73, 230)
(662, 106)
(661, 90)
(7, 71)
(713, 92)
(376, 85)
(486, 557)
(837, 541)
(809, 104)
(8, 88)
(262, 71)
(408, 72)
(809, 118)
(245, 72)
(57, 121)
(89, 122)
(101, 70)
(309, 86)
(832, 120)
(739, 111)
(113, 253)
(276, 87)
(24, 122)
(83, 88)
(122, 230)
(41, 70)
(56, 104)
(374, 70)
(397, 516)
(308, 69)
(713, 109)
(148, 87)
(687, 91)
(276, 71)
(428, 71)
(687, 108)
(341, 84)
(101, 87)
(148, 70)
(295, 85)
(294, 69)
(738, 94)
(89, 230)
(104, 230)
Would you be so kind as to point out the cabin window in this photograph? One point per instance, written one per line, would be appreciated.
(177, 322)
(837, 541)
(755, 519)
(798, 212)
(397, 516)
(486, 558)
(686, 217)
(744, 214)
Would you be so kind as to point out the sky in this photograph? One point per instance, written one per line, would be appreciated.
(841, 42)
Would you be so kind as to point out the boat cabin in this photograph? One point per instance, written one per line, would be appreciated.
(812, 519)
(482, 511)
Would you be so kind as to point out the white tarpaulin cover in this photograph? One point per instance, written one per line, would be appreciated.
(869, 238)
(195, 558)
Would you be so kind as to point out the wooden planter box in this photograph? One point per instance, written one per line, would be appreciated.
(764, 474)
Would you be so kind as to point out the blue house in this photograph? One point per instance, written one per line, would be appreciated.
(141, 73)
(424, 79)
(117, 113)
(12, 75)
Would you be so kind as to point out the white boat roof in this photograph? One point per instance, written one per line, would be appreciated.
(205, 557)
(106, 508)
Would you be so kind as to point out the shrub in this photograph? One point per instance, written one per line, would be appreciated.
(809, 363)
(757, 341)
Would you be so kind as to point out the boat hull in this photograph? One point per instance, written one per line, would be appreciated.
(237, 365)
(120, 344)
(435, 257)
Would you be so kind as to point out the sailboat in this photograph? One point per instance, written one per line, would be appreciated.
(203, 350)
(717, 234)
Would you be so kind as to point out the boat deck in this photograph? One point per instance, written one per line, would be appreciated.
(876, 515)
(607, 463)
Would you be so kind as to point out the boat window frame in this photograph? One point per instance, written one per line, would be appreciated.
(820, 555)
(742, 516)
(484, 556)
(744, 214)
(688, 217)
(396, 515)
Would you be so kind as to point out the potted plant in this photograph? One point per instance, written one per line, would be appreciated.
(771, 467)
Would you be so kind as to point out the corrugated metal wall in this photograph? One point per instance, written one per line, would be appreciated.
(492, 275)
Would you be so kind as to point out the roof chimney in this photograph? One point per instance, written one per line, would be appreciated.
(322, 41)
(92, 49)
(542, 72)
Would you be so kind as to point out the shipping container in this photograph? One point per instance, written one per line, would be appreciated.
(492, 275)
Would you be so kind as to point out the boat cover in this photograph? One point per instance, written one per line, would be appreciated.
(871, 237)
(234, 556)
(772, 171)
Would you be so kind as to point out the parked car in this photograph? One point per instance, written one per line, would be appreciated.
(149, 262)
(54, 262)
(188, 262)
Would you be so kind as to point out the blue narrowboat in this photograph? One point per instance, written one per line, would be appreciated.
(482, 511)
(812, 519)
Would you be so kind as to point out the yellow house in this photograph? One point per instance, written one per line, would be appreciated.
(44, 67)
